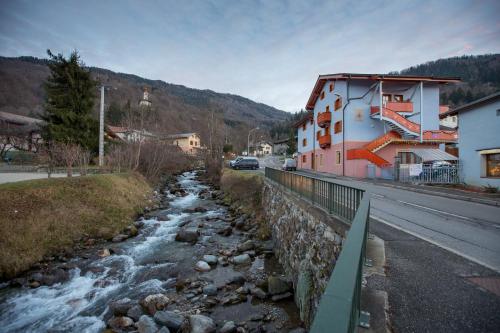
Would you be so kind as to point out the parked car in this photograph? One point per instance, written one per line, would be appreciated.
(235, 160)
(246, 163)
(289, 165)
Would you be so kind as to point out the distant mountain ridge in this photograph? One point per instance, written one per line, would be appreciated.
(480, 76)
(180, 109)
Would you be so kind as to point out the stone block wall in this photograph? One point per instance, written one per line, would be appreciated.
(307, 242)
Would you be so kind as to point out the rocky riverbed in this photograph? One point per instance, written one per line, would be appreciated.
(192, 265)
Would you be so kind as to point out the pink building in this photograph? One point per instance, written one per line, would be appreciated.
(347, 133)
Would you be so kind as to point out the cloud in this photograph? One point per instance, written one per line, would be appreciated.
(269, 51)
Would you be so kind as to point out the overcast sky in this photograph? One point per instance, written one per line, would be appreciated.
(268, 51)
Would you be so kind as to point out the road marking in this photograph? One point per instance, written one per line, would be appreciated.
(435, 210)
(378, 195)
(447, 248)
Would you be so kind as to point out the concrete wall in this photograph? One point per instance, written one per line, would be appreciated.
(307, 242)
(478, 129)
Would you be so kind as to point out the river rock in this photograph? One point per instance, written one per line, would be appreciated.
(277, 285)
(243, 259)
(201, 324)
(120, 322)
(229, 327)
(189, 235)
(155, 302)
(138, 224)
(236, 278)
(246, 246)
(146, 324)
(119, 238)
(131, 231)
(210, 259)
(103, 253)
(279, 297)
(170, 319)
(226, 231)
(239, 223)
(164, 329)
(121, 306)
(202, 266)
(200, 209)
(210, 290)
(233, 299)
(135, 312)
(259, 293)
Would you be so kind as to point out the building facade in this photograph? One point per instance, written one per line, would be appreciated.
(479, 141)
(346, 129)
(280, 147)
(189, 142)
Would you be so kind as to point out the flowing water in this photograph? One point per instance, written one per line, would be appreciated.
(147, 264)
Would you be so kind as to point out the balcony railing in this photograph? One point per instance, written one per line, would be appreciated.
(325, 141)
(324, 119)
(400, 106)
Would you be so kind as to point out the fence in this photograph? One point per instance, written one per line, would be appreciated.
(339, 200)
(339, 308)
(430, 174)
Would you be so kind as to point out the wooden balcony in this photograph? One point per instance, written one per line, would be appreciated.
(324, 119)
(325, 141)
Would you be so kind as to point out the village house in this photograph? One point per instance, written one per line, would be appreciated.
(19, 132)
(263, 148)
(127, 134)
(189, 142)
(479, 140)
(346, 132)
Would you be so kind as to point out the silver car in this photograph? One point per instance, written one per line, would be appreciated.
(289, 165)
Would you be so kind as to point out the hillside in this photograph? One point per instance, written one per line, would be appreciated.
(177, 108)
(480, 76)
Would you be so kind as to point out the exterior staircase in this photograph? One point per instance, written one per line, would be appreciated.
(367, 152)
(397, 122)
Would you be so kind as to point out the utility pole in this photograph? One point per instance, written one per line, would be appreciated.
(248, 140)
(421, 111)
(101, 129)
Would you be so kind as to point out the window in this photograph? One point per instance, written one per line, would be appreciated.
(338, 104)
(386, 98)
(304, 158)
(498, 113)
(196, 143)
(331, 87)
(327, 109)
(493, 165)
(337, 128)
(304, 125)
(398, 98)
(322, 96)
(304, 142)
(190, 143)
(338, 159)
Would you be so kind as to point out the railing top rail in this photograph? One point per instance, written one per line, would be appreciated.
(337, 311)
(317, 178)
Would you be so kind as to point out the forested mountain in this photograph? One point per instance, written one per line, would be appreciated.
(480, 76)
(177, 108)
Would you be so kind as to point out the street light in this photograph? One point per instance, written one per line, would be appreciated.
(248, 140)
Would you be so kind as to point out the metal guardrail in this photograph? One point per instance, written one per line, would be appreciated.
(339, 308)
(339, 200)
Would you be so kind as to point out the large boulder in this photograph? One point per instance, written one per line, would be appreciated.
(188, 235)
(135, 312)
(210, 259)
(121, 306)
(155, 302)
(172, 320)
(243, 259)
(201, 324)
(202, 266)
(146, 324)
(277, 285)
(120, 322)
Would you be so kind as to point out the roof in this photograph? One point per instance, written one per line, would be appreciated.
(474, 104)
(430, 154)
(18, 119)
(322, 79)
(179, 136)
(304, 119)
(277, 142)
(117, 129)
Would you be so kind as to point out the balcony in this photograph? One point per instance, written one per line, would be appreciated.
(324, 119)
(400, 106)
(325, 141)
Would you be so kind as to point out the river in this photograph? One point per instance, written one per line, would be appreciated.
(151, 263)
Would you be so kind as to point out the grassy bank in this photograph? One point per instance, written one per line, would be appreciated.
(44, 216)
(243, 190)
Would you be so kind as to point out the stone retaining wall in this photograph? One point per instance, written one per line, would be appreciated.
(307, 242)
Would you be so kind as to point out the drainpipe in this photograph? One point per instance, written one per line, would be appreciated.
(313, 161)
(421, 111)
(343, 126)
(380, 100)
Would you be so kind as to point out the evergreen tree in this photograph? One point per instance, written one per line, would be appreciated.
(70, 100)
(115, 114)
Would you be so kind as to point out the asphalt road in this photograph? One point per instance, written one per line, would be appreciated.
(469, 229)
